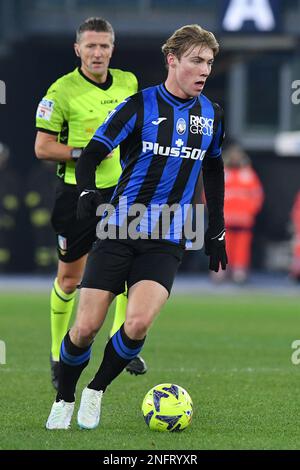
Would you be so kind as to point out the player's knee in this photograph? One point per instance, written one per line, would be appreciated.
(68, 284)
(84, 332)
(137, 327)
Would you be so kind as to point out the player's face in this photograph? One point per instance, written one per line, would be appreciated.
(95, 51)
(192, 71)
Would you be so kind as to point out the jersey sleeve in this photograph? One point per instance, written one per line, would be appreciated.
(119, 124)
(215, 148)
(51, 112)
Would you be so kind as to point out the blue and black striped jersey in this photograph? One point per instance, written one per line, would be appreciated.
(163, 141)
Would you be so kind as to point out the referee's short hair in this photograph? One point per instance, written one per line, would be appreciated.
(98, 24)
(191, 35)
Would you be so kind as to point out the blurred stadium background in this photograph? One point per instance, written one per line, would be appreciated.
(252, 79)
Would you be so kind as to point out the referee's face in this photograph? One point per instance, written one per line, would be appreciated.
(95, 51)
(191, 71)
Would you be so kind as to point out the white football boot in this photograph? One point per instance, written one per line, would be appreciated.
(60, 415)
(88, 416)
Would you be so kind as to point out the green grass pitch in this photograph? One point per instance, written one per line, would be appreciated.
(232, 354)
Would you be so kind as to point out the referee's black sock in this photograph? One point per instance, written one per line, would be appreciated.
(72, 362)
(119, 351)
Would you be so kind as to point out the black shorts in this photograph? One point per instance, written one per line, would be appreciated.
(74, 238)
(112, 263)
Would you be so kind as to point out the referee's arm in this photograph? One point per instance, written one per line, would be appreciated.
(46, 147)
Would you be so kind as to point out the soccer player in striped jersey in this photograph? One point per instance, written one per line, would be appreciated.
(167, 133)
(67, 117)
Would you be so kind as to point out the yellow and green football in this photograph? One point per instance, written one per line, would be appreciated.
(167, 407)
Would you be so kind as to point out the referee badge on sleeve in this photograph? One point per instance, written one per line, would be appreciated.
(62, 244)
(45, 109)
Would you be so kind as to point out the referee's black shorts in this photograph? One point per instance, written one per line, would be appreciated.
(74, 238)
(112, 263)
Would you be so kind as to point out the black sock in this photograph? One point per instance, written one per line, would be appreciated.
(72, 362)
(119, 351)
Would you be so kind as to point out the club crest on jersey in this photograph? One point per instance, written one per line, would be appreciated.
(180, 126)
(201, 125)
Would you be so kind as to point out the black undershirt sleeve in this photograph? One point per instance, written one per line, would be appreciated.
(91, 157)
(213, 181)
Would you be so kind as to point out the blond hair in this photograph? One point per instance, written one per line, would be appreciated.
(187, 37)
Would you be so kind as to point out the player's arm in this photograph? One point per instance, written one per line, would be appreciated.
(90, 198)
(93, 154)
(47, 148)
(213, 181)
(115, 129)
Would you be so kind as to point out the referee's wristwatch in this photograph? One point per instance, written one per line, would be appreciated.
(75, 153)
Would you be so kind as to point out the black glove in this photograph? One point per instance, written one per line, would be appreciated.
(215, 249)
(87, 204)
